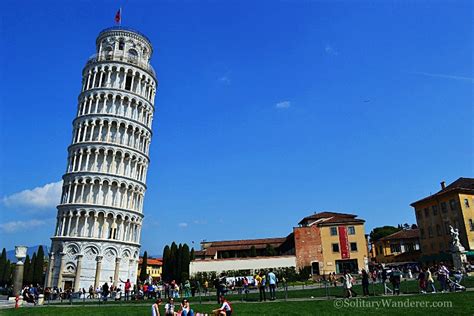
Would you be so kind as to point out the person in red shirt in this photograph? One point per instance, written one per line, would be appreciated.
(128, 286)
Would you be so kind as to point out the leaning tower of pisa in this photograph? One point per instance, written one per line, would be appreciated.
(97, 235)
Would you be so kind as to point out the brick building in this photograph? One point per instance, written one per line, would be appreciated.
(326, 242)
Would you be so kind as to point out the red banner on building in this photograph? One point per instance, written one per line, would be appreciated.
(344, 242)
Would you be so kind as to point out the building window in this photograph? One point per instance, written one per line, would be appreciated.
(381, 250)
(422, 233)
(444, 209)
(438, 230)
(395, 248)
(335, 247)
(471, 225)
(435, 209)
(121, 45)
(466, 202)
(427, 212)
(452, 204)
(334, 231)
(430, 232)
(351, 230)
(353, 246)
(446, 228)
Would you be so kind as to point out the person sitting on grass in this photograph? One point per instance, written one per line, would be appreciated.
(225, 309)
(169, 308)
(155, 308)
(186, 309)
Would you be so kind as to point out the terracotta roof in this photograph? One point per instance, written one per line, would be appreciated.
(336, 220)
(246, 242)
(152, 261)
(403, 234)
(461, 184)
(331, 216)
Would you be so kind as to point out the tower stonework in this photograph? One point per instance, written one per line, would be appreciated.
(100, 215)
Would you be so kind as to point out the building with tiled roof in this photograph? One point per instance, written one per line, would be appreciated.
(453, 205)
(326, 242)
(401, 246)
(153, 268)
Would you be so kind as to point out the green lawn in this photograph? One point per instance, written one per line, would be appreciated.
(406, 287)
(461, 304)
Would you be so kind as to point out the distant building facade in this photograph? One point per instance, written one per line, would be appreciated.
(153, 269)
(401, 246)
(326, 242)
(452, 205)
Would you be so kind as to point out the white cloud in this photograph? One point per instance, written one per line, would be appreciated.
(183, 225)
(11, 227)
(444, 76)
(200, 222)
(330, 50)
(224, 79)
(283, 105)
(40, 197)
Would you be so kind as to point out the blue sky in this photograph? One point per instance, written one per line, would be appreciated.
(266, 111)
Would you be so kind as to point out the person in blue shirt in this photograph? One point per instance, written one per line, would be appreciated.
(272, 282)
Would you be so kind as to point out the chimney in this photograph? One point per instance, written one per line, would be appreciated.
(443, 185)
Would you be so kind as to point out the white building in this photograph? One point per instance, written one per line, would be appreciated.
(97, 235)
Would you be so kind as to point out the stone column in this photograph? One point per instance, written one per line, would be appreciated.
(50, 271)
(60, 272)
(78, 273)
(117, 270)
(97, 271)
(18, 278)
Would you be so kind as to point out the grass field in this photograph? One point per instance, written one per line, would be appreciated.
(451, 303)
(406, 287)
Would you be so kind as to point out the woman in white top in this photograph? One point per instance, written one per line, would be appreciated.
(155, 308)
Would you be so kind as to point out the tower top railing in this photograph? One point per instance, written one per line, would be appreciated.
(123, 28)
(126, 59)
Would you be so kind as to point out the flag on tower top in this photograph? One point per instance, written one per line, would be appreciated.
(118, 16)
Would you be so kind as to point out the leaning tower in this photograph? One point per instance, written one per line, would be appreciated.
(97, 235)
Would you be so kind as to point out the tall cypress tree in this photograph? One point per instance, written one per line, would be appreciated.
(179, 267)
(38, 276)
(166, 263)
(185, 259)
(143, 274)
(7, 274)
(3, 266)
(31, 271)
(192, 255)
(26, 269)
(173, 261)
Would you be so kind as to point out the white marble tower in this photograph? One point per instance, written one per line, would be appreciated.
(97, 235)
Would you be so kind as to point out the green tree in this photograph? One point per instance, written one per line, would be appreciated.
(185, 260)
(166, 263)
(173, 261)
(143, 275)
(380, 232)
(26, 269)
(192, 255)
(253, 251)
(38, 275)
(269, 250)
(31, 271)
(3, 266)
(179, 266)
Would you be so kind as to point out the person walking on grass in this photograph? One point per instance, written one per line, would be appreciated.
(443, 275)
(272, 281)
(365, 282)
(260, 282)
(429, 279)
(395, 278)
(347, 280)
(422, 281)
